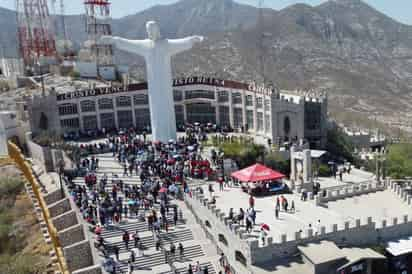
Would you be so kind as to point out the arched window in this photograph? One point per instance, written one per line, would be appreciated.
(240, 257)
(88, 106)
(223, 240)
(286, 125)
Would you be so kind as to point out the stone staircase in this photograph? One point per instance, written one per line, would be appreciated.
(196, 246)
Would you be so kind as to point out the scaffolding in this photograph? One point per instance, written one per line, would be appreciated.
(35, 32)
(98, 24)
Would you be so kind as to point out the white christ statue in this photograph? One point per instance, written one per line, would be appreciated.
(157, 53)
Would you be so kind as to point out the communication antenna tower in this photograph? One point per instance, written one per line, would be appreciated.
(98, 23)
(261, 40)
(35, 32)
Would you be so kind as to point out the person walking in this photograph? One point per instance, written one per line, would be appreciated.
(116, 252)
(222, 259)
(136, 239)
(131, 267)
(190, 269)
(251, 201)
(158, 244)
(126, 239)
(263, 236)
(248, 225)
(175, 217)
(181, 251)
(132, 256)
(198, 268)
(172, 251)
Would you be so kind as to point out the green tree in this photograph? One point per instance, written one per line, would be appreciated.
(399, 161)
(243, 153)
(339, 146)
(275, 162)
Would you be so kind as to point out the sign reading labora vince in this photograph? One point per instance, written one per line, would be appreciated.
(176, 83)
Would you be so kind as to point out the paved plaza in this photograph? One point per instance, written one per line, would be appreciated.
(381, 205)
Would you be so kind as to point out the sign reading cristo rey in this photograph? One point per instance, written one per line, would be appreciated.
(157, 53)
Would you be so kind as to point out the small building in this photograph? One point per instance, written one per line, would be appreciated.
(326, 258)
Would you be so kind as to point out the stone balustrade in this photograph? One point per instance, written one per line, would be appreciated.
(364, 231)
(349, 191)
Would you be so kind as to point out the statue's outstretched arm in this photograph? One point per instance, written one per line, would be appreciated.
(179, 45)
(139, 47)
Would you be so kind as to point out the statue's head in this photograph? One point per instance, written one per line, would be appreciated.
(153, 30)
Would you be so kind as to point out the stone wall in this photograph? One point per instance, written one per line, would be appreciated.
(41, 155)
(219, 227)
(59, 207)
(71, 235)
(78, 255)
(53, 197)
(65, 220)
(360, 232)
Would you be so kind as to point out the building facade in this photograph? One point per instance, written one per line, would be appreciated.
(274, 115)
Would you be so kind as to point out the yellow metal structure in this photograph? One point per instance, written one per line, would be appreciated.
(18, 158)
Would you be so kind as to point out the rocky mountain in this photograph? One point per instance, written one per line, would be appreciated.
(360, 56)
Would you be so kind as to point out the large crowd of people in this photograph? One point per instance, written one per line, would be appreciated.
(162, 168)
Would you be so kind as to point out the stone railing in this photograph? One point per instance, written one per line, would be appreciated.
(220, 226)
(399, 188)
(343, 192)
(361, 232)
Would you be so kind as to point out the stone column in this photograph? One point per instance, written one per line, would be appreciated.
(116, 118)
(133, 112)
(217, 113)
(80, 115)
(184, 112)
(231, 120)
(244, 110)
(307, 166)
(97, 111)
(254, 113)
(292, 163)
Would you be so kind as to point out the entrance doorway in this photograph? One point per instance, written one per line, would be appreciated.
(201, 113)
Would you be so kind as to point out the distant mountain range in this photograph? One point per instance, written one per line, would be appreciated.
(360, 56)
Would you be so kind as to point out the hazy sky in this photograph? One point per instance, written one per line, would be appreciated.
(401, 10)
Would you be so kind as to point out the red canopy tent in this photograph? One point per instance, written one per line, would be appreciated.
(257, 173)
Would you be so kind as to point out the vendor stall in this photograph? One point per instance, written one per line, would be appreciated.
(260, 180)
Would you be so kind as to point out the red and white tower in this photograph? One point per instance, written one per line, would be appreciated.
(98, 23)
(35, 32)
